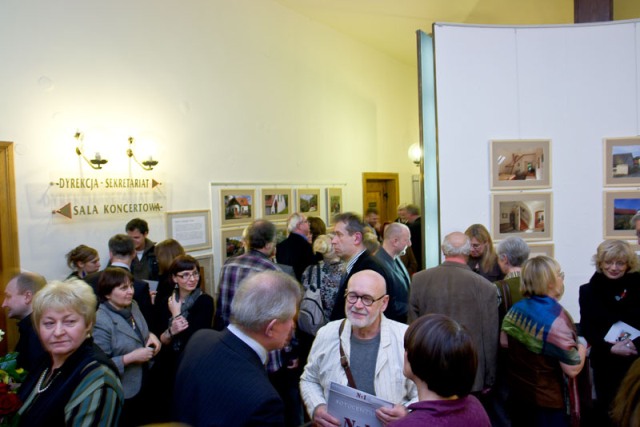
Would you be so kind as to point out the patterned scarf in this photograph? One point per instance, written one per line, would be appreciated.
(544, 327)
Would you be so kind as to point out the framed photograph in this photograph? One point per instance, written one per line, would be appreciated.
(621, 161)
(281, 232)
(619, 208)
(309, 202)
(237, 206)
(206, 268)
(520, 164)
(191, 228)
(528, 215)
(334, 201)
(541, 249)
(276, 203)
(232, 243)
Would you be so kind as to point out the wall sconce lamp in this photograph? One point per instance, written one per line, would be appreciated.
(415, 153)
(146, 164)
(96, 162)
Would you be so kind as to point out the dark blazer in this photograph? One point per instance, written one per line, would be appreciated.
(399, 280)
(140, 292)
(365, 262)
(29, 347)
(222, 382)
(297, 252)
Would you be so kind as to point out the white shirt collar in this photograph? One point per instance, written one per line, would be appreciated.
(255, 345)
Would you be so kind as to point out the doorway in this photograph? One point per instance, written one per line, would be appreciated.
(381, 191)
(9, 255)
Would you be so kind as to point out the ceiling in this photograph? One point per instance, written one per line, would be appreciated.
(390, 25)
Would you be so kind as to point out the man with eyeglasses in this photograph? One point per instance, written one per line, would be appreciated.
(296, 250)
(372, 345)
(454, 290)
(121, 253)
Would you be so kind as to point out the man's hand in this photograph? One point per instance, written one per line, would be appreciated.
(321, 417)
(387, 415)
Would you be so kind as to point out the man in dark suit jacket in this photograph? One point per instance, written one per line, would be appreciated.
(348, 245)
(18, 299)
(121, 252)
(221, 379)
(296, 250)
(397, 239)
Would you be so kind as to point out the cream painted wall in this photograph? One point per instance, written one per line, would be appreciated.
(241, 90)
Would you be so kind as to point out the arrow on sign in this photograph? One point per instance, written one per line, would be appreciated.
(64, 211)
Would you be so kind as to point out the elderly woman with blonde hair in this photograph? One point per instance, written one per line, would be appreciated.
(612, 297)
(78, 384)
(543, 348)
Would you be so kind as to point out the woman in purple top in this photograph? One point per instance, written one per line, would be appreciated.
(441, 359)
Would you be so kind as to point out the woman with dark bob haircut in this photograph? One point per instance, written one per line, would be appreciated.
(441, 359)
(122, 333)
(186, 310)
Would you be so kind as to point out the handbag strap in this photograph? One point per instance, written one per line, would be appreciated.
(344, 361)
(318, 276)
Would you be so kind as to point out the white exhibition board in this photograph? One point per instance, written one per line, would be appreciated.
(572, 84)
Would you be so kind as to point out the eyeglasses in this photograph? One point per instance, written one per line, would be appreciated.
(189, 275)
(367, 300)
(618, 264)
(561, 274)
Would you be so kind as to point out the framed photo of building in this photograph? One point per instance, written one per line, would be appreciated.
(622, 162)
(237, 206)
(526, 215)
(520, 164)
(231, 243)
(541, 249)
(309, 202)
(619, 208)
(334, 201)
(276, 203)
(191, 228)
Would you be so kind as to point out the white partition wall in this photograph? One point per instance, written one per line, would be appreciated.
(574, 85)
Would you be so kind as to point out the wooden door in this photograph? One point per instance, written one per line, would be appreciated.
(381, 191)
(9, 255)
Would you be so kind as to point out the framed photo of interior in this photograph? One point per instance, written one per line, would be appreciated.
(537, 249)
(334, 201)
(526, 215)
(237, 206)
(621, 161)
(309, 202)
(231, 243)
(619, 208)
(520, 164)
(276, 203)
(191, 228)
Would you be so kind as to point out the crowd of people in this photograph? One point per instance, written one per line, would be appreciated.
(481, 339)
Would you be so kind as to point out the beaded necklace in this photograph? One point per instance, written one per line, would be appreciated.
(39, 388)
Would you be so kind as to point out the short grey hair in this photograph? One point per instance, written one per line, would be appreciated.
(394, 230)
(293, 221)
(263, 297)
(634, 219)
(448, 249)
(515, 249)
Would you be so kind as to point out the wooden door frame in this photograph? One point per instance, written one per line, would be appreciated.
(9, 247)
(394, 190)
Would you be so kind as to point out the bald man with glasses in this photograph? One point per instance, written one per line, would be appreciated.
(372, 344)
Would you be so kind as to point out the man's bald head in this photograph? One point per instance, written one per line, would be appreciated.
(456, 244)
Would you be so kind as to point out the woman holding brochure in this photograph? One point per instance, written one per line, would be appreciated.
(610, 305)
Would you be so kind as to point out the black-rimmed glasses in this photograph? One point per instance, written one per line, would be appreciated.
(367, 300)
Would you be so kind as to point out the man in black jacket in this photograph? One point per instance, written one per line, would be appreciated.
(296, 250)
(348, 245)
